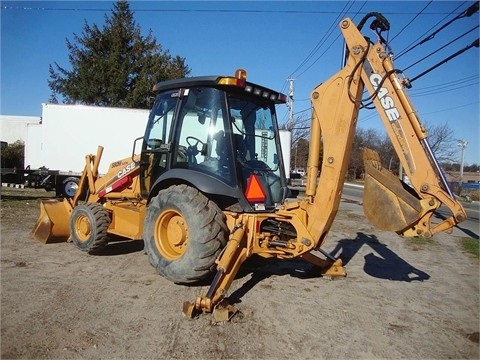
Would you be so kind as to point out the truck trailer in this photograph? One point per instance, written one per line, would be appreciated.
(56, 145)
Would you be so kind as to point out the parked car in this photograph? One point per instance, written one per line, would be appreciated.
(300, 171)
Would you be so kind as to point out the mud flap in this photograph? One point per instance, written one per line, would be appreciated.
(53, 223)
(387, 204)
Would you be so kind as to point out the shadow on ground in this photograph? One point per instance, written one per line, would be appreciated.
(381, 263)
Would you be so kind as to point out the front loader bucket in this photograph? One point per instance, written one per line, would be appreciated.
(53, 223)
(387, 204)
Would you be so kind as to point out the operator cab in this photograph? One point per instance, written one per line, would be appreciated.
(218, 134)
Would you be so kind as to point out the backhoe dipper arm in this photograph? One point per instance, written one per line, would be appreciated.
(388, 204)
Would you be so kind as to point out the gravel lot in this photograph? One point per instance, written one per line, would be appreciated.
(401, 299)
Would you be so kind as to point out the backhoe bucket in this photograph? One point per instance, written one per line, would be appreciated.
(387, 203)
(53, 223)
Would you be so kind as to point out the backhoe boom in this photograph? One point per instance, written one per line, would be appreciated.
(336, 105)
(389, 204)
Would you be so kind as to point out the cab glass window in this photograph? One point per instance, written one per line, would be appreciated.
(254, 133)
(202, 143)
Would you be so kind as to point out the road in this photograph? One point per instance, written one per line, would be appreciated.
(469, 227)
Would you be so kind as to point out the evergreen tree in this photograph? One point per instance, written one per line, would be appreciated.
(12, 155)
(114, 66)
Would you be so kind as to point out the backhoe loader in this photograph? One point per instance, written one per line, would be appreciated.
(208, 189)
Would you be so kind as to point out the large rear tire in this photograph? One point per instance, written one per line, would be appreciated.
(184, 233)
(88, 226)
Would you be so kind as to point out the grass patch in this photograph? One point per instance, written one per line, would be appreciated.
(353, 216)
(15, 203)
(470, 246)
(471, 194)
(7, 193)
(419, 242)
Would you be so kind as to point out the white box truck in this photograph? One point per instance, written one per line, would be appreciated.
(56, 146)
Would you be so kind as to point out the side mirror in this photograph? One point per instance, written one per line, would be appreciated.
(135, 145)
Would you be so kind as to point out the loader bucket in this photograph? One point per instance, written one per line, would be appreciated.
(387, 203)
(53, 223)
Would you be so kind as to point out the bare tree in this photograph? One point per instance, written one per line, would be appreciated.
(442, 141)
(300, 129)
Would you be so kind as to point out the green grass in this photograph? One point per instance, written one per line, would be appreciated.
(16, 203)
(8, 193)
(471, 246)
(420, 240)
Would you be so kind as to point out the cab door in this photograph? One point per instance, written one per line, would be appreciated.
(156, 145)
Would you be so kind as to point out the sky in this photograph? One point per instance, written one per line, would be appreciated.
(272, 40)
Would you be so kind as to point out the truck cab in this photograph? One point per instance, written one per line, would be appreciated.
(220, 135)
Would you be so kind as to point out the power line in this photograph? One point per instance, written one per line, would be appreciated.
(329, 46)
(467, 13)
(440, 91)
(269, 11)
(411, 21)
(473, 44)
(440, 48)
(302, 111)
(411, 45)
(374, 114)
(447, 84)
(321, 41)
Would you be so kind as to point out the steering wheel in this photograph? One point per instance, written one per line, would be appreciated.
(197, 141)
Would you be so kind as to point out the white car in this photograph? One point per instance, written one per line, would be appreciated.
(300, 171)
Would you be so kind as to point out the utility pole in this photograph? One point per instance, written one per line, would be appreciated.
(462, 144)
(290, 113)
(290, 103)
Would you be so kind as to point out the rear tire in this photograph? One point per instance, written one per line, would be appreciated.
(184, 233)
(70, 187)
(88, 226)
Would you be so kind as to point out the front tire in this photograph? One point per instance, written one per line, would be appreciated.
(88, 226)
(184, 233)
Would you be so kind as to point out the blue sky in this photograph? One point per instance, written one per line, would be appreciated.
(272, 40)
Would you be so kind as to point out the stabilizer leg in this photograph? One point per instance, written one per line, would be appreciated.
(332, 267)
(228, 265)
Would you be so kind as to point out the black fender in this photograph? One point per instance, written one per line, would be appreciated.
(205, 183)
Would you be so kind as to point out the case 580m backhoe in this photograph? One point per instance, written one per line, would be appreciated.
(208, 189)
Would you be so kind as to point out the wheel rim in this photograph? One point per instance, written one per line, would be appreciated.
(70, 188)
(83, 228)
(171, 234)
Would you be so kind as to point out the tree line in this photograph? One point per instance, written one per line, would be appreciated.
(440, 137)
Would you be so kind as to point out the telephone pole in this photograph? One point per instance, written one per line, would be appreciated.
(290, 114)
(290, 103)
(462, 144)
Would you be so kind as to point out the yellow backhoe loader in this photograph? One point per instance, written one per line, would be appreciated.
(208, 189)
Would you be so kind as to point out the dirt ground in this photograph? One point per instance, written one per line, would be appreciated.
(399, 300)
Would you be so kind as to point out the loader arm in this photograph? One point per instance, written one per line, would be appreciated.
(52, 224)
(388, 203)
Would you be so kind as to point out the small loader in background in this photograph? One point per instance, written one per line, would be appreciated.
(208, 189)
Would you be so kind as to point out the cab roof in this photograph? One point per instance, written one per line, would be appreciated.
(222, 82)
